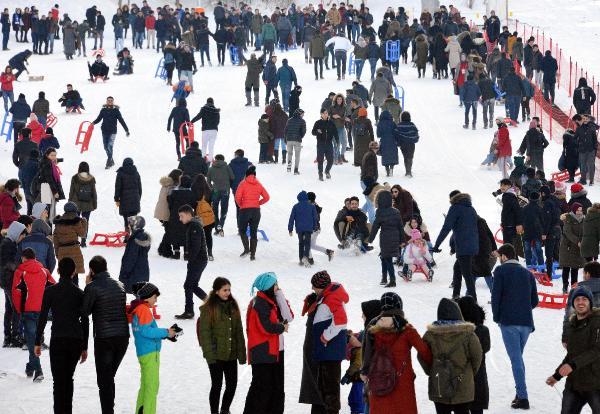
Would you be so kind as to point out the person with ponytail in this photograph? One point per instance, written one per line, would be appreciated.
(221, 337)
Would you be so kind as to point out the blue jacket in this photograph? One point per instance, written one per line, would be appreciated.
(514, 295)
(388, 147)
(304, 214)
(27, 173)
(134, 264)
(471, 91)
(43, 248)
(406, 133)
(286, 75)
(270, 74)
(528, 90)
(109, 115)
(462, 220)
(329, 324)
(20, 110)
(18, 60)
(47, 142)
(148, 336)
(239, 166)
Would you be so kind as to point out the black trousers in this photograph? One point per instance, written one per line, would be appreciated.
(573, 401)
(267, 393)
(249, 217)
(328, 378)
(462, 267)
(228, 369)
(318, 62)
(566, 272)
(108, 353)
(509, 234)
(450, 409)
(209, 237)
(64, 354)
(190, 286)
(550, 246)
(324, 152)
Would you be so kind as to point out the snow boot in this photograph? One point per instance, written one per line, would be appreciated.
(383, 280)
(329, 253)
(253, 249)
(283, 156)
(276, 154)
(296, 172)
(320, 176)
(248, 99)
(245, 244)
(391, 284)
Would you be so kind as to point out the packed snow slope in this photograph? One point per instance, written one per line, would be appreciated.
(447, 158)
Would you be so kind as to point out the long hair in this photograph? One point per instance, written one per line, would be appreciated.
(213, 300)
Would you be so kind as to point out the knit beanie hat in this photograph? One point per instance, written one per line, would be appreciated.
(371, 309)
(390, 301)
(415, 235)
(582, 291)
(448, 310)
(264, 282)
(71, 207)
(575, 207)
(576, 188)
(145, 290)
(251, 171)
(321, 280)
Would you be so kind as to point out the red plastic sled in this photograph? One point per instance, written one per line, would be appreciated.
(84, 135)
(186, 138)
(428, 273)
(552, 301)
(497, 238)
(542, 278)
(562, 175)
(51, 120)
(109, 239)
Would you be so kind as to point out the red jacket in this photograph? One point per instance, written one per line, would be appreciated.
(461, 76)
(8, 211)
(504, 147)
(150, 22)
(37, 131)
(29, 282)
(259, 333)
(54, 12)
(250, 193)
(6, 81)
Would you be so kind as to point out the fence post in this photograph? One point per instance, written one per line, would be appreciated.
(570, 75)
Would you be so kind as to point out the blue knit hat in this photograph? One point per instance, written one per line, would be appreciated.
(264, 282)
(582, 291)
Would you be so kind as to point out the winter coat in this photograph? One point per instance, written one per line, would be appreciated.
(9, 209)
(304, 215)
(134, 263)
(239, 166)
(270, 74)
(221, 339)
(329, 324)
(269, 33)
(593, 284)
(251, 194)
(161, 211)
(39, 242)
(29, 282)
(471, 91)
(407, 135)
(517, 51)
(340, 111)
(405, 204)
(454, 50)
(41, 107)
(581, 198)
(210, 117)
(572, 233)
(264, 134)
(109, 115)
(590, 238)
(128, 189)
(192, 163)
(512, 85)
(69, 38)
(146, 333)
(442, 338)
(286, 76)
(255, 68)
(368, 167)
(220, 176)
(392, 105)
(83, 192)
(317, 47)
(37, 131)
(533, 216)
(389, 220)
(422, 51)
(533, 143)
(503, 67)
(295, 129)
(20, 110)
(388, 147)
(22, 150)
(379, 91)
(462, 220)
(104, 298)
(504, 148)
(514, 295)
(383, 334)
(178, 116)
(278, 121)
(263, 328)
(482, 391)
(294, 100)
(586, 137)
(362, 135)
(46, 176)
(483, 261)
(570, 151)
(549, 66)
(175, 230)
(486, 87)
(511, 214)
(68, 229)
(530, 186)
(47, 141)
(583, 97)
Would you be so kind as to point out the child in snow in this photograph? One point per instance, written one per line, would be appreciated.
(416, 255)
(304, 216)
(37, 129)
(124, 63)
(134, 263)
(148, 337)
(265, 136)
(352, 375)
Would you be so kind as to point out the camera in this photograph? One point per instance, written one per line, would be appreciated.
(497, 193)
(60, 160)
(178, 333)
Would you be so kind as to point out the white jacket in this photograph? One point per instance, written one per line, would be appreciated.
(340, 43)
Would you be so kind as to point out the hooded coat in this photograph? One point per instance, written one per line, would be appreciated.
(128, 189)
(590, 239)
(220, 176)
(389, 221)
(134, 263)
(304, 215)
(388, 147)
(379, 91)
(192, 163)
(572, 233)
(362, 135)
(68, 228)
(392, 105)
(161, 211)
(422, 51)
(329, 324)
(462, 220)
(175, 230)
(83, 185)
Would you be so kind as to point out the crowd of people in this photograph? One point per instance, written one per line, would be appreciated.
(486, 66)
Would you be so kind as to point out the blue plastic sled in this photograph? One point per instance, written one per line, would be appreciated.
(392, 50)
(161, 72)
(499, 93)
(261, 232)
(7, 127)
(399, 95)
(351, 65)
(542, 268)
(233, 55)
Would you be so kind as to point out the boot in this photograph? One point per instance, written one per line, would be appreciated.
(283, 156)
(256, 98)
(253, 249)
(245, 243)
(276, 154)
(383, 279)
(408, 165)
(248, 99)
(392, 283)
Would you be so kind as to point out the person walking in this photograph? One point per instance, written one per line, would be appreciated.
(109, 115)
(221, 337)
(69, 228)
(250, 195)
(135, 268)
(128, 191)
(304, 216)
(387, 219)
(83, 193)
(211, 117)
(514, 296)
(286, 76)
(104, 298)
(569, 257)
(179, 115)
(295, 129)
(341, 47)
(584, 97)
(327, 134)
(587, 145)
(219, 177)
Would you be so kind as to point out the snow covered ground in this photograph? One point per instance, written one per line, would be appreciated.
(447, 158)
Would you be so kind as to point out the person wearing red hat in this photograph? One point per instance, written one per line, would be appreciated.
(579, 195)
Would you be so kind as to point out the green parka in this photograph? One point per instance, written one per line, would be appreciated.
(223, 338)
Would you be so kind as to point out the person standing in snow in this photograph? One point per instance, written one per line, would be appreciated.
(341, 47)
(211, 117)
(83, 193)
(179, 115)
(220, 176)
(255, 67)
(269, 78)
(327, 135)
(134, 263)
(109, 115)
(295, 129)
(221, 337)
(304, 217)
(128, 191)
(268, 318)
(286, 76)
(584, 97)
(249, 196)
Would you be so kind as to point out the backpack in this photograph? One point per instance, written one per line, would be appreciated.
(85, 193)
(205, 212)
(443, 378)
(382, 372)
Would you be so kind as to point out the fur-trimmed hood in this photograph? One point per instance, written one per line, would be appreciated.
(460, 327)
(166, 182)
(461, 198)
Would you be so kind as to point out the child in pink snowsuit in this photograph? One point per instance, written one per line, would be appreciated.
(416, 255)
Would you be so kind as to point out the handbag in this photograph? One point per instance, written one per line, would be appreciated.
(46, 195)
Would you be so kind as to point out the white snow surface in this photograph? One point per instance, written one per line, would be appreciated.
(447, 158)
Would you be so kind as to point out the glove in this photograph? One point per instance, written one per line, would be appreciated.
(436, 250)
(345, 380)
(127, 134)
(194, 71)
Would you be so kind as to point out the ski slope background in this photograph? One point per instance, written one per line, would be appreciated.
(447, 158)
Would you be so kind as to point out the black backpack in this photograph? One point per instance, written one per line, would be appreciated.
(85, 192)
(443, 378)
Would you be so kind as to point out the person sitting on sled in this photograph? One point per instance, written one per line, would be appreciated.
(416, 255)
(125, 63)
(71, 100)
(98, 69)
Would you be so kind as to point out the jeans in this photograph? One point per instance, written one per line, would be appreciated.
(387, 268)
(294, 147)
(138, 39)
(341, 144)
(515, 337)
(160, 43)
(512, 106)
(269, 90)
(108, 354)
(549, 91)
(488, 108)
(204, 49)
(30, 320)
(222, 198)
(462, 267)
(373, 64)
(340, 62)
(304, 238)
(218, 370)
(468, 106)
(587, 165)
(573, 401)
(286, 89)
(108, 140)
(368, 206)
(42, 120)
(318, 64)
(8, 96)
(5, 36)
(533, 252)
(64, 354)
(190, 286)
(50, 40)
(99, 34)
(360, 63)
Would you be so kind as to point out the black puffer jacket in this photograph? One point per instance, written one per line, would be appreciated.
(128, 189)
(47, 176)
(104, 298)
(109, 115)
(387, 219)
(22, 151)
(295, 128)
(192, 163)
(196, 243)
(210, 117)
(175, 228)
